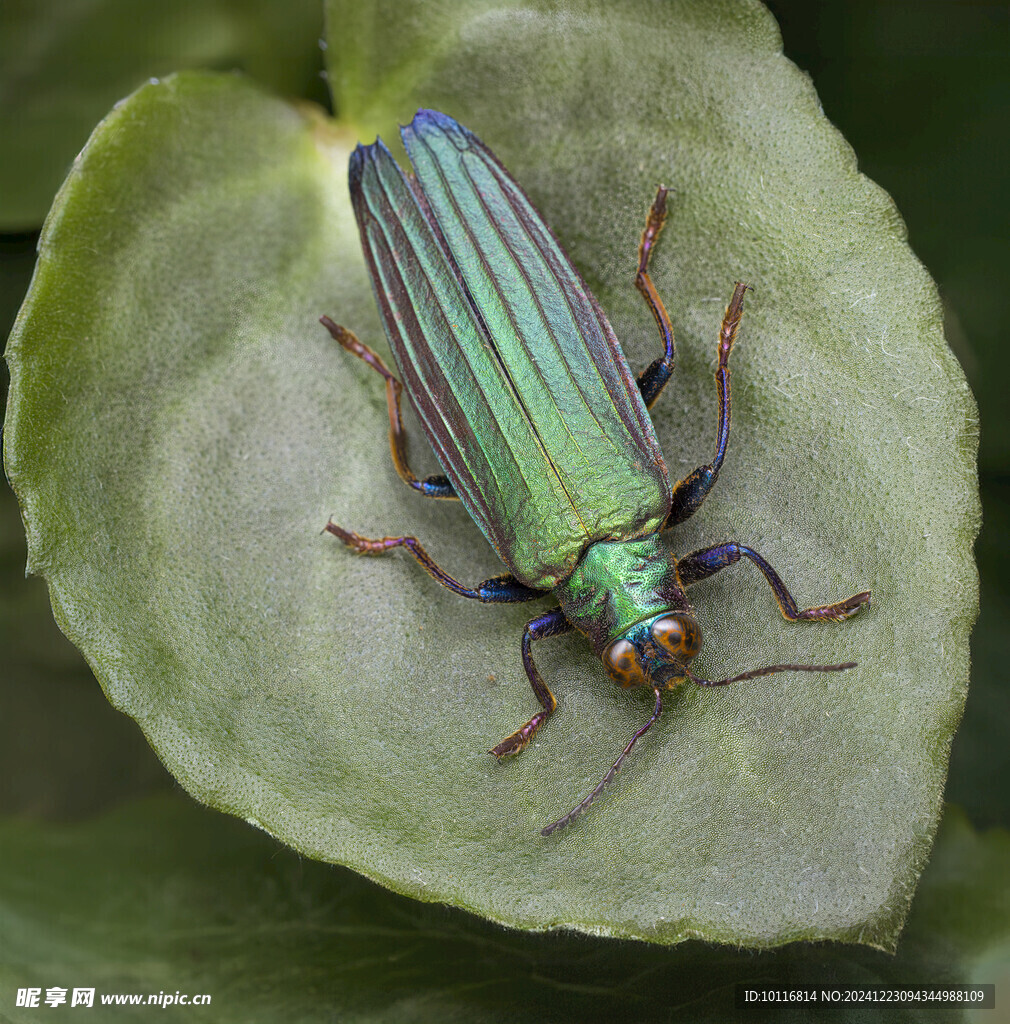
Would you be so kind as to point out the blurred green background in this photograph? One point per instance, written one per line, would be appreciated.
(920, 90)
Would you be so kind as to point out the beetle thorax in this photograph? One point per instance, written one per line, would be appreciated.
(619, 584)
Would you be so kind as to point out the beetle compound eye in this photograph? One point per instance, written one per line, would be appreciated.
(621, 660)
(677, 634)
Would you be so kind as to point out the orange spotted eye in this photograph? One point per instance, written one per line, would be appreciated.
(677, 634)
(622, 662)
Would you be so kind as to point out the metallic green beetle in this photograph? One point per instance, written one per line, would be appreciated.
(529, 403)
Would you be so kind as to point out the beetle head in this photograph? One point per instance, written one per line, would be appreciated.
(654, 653)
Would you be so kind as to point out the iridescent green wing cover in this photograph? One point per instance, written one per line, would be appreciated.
(515, 373)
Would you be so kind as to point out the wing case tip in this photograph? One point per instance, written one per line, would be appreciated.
(428, 124)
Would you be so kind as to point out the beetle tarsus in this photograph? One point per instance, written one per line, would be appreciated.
(519, 740)
(837, 612)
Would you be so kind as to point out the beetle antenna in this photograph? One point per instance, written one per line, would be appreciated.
(768, 670)
(609, 777)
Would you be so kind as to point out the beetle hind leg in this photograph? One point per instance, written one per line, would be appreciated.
(437, 486)
(504, 589)
(689, 494)
(655, 377)
(553, 623)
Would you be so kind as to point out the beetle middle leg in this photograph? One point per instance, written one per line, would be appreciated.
(689, 494)
(437, 486)
(704, 563)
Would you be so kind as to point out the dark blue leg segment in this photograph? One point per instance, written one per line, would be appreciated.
(552, 623)
(701, 564)
(689, 494)
(653, 379)
(435, 486)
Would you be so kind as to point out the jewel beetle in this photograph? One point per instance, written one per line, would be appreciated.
(542, 431)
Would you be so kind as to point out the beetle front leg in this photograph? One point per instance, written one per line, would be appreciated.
(504, 589)
(553, 623)
(689, 494)
(701, 564)
(431, 487)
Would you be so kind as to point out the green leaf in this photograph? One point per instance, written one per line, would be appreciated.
(181, 428)
(160, 896)
(63, 63)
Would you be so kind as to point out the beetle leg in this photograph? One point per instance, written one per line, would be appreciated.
(431, 487)
(654, 378)
(701, 564)
(552, 623)
(693, 489)
(504, 589)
